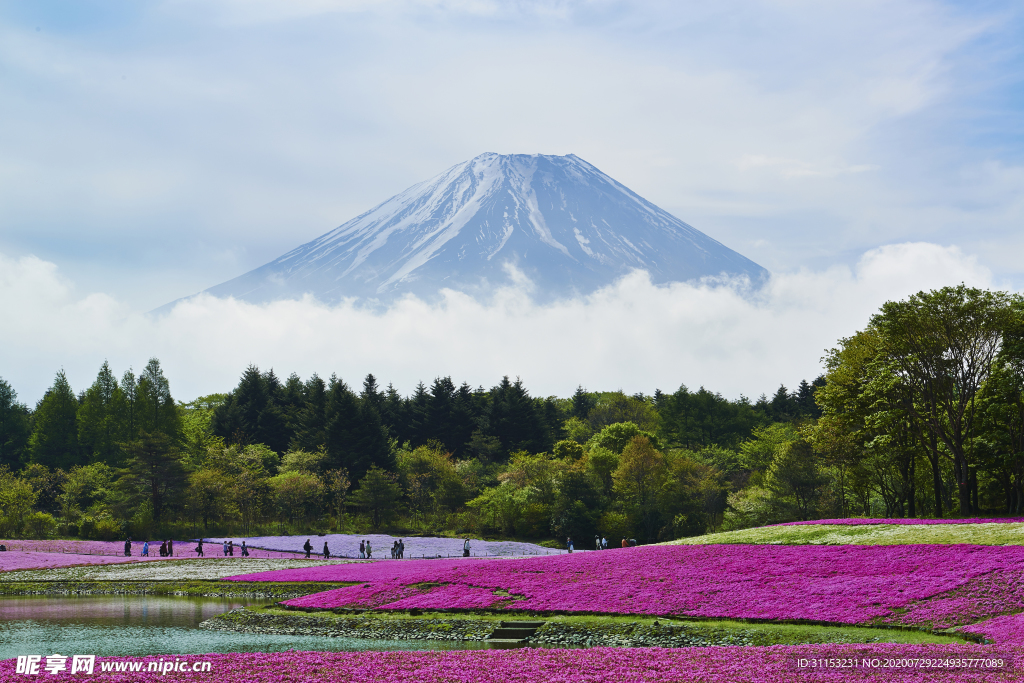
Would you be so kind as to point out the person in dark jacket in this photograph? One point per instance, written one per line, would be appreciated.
(308, 547)
(327, 553)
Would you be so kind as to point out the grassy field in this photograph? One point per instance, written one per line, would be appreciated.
(755, 633)
(868, 534)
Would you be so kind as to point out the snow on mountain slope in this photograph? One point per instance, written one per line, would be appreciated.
(567, 226)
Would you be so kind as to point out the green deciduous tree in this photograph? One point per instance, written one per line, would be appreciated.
(16, 501)
(639, 480)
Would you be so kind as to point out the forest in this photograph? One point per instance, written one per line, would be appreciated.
(920, 414)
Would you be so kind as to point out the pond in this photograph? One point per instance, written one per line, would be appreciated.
(135, 625)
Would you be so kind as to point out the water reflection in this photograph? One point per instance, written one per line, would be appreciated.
(135, 625)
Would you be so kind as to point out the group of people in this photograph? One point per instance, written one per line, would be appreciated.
(398, 550)
(365, 550)
(229, 548)
(308, 547)
(601, 543)
(166, 548)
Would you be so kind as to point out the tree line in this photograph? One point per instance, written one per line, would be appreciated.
(919, 414)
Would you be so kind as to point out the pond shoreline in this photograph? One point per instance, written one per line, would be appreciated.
(573, 632)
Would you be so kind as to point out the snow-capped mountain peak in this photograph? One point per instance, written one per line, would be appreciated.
(569, 227)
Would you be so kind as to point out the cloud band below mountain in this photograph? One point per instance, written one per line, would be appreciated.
(632, 335)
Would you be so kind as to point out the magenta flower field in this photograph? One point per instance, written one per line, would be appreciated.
(855, 521)
(596, 665)
(1007, 629)
(842, 584)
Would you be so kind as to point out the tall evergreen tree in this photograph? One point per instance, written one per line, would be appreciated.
(311, 421)
(54, 440)
(582, 403)
(14, 427)
(513, 419)
(100, 429)
(129, 408)
(393, 414)
(417, 416)
(356, 438)
(158, 413)
(155, 471)
(372, 393)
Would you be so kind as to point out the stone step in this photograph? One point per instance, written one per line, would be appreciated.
(514, 631)
(518, 633)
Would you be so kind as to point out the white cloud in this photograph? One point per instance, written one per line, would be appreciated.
(795, 168)
(156, 150)
(632, 335)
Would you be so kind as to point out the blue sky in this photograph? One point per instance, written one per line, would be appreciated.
(149, 150)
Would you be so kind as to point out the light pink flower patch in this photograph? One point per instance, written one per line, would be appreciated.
(48, 554)
(13, 560)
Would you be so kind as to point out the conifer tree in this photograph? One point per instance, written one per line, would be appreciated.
(14, 427)
(54, 440)
(100, 430)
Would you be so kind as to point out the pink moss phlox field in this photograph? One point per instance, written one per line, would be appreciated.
(51, 554)
(855, 521)
(12, 561)
(596, 665)
(845, 584)
(995, 593)
(347, 545)
(1004, 630)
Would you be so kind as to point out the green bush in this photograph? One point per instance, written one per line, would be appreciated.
(40, 524)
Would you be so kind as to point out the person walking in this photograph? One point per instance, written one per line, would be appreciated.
(568, 543)
(401, 549)
(145, 549)
(604, 543)
(327, 553)
(369, 550)
(465, 548)
(199, 548)
(308, 547)
(362, 550)
(128, 547)
(245, 551)
(597, 542)
(170, 547)
(225, 548)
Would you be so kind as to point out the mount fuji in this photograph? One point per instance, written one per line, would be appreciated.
(557, 220)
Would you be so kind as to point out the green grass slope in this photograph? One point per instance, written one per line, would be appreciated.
(868, 534)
